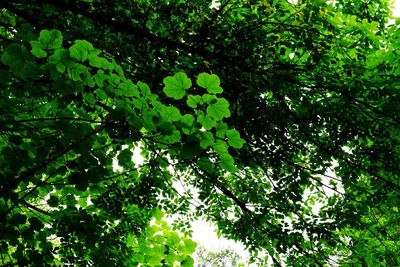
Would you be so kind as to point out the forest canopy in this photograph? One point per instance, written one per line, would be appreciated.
(277, 122)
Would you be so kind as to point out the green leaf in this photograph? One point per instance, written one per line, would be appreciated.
(35, 223)
(221, 147)
(210, 82)
(99, 62)
(99, 78)
(61, 67)
(89, 98)
(190, 246)
(82, 202)
(15, 55)
(56, 56)
(39, 53)
(148, 122)
(176, 86)
(53, 201)
(207, 98)
(37, 45)
(234, 139)
(124, 157)
(227, 162)
(221, 129)
(175, 137)
(188, 123)
(100, 93)
(207, 139)
(80, 50)
(173, 239)
(219, 110)
(79, 72)
(90, 81)
(129, 89)
(51, 39)
(138, 258)
(206, 121)
(193, 100)
(190, 150)
(170, 113)
(134, 121)
(187, 262)
(206, 165)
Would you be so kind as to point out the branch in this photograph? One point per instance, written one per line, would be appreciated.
(224, 190)
(26, 204)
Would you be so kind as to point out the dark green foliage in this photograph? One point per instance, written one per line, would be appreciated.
(284, 118)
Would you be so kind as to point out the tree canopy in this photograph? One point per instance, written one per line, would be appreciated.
(278, 121)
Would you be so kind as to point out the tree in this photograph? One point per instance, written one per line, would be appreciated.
(263, 108)
(223, 258)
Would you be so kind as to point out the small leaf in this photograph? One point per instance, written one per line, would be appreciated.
(206, 165)
(129, 89)
(148, 122)
(175, 86)
(190, 246)
(78, 72)
(51, 39)
(187, 121)
(138, 258)
(100, 93)
(170, 113)
(57, 56)
(221, 147)
(61, 67)
(206, 121)
(207, 98)
(210, 82)
(80, 50)
(187, 262)
(124, 157)
(35, 223)
(190, 150)
(227, 162)
(53, 201)
(219, 110)
(207, 139)
(193, 100)
(99, 62)
(89, 98)
(221, 129)
(234, 139)
(15, 55)
(39, 53)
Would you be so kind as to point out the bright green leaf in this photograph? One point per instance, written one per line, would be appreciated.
(210, 82)
(219, 110)
(176, 86)
(234, 139)
(193, 100)
(206, 121)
